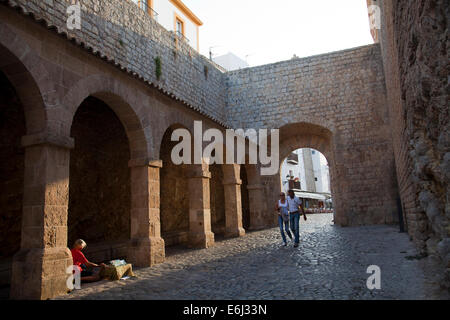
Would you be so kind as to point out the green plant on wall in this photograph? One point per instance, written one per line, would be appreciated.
(158, 71)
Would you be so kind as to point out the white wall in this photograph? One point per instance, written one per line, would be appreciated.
(166, 17)
(325, 175)
(321, 172)
(317, 170)
(230, 62)
(301, 165)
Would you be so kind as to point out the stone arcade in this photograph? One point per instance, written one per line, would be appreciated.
(86, 124)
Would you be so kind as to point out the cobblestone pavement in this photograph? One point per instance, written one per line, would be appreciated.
(330, 263)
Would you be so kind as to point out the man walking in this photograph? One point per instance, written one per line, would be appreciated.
(295, 204)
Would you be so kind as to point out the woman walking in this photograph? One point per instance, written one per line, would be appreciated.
(283, 217)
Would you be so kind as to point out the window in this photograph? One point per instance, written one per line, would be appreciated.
(313, 151)
(315, 179)
(179, 26)
(147, 6)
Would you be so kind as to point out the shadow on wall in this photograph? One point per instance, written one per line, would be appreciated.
(174, 195)
(99, 185)
(12, 162)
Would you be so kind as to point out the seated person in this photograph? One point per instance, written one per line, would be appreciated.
(83, 264)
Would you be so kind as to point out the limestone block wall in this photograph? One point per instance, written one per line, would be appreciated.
(343, 93)
(121, 33)
(414, 41)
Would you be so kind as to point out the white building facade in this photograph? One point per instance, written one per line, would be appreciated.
(307, 172)
(175, 16)
(230, 62)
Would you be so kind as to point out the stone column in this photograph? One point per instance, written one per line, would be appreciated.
(233, 201)
(146, 245)
(257, 206)
(39, 268)
(200, 234)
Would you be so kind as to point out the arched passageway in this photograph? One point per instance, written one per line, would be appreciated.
(99, 188)
(297, 136)
(245, 201)
(306, 172)
(174, 195)
(22, 113)
(12, 162)
(217, 200)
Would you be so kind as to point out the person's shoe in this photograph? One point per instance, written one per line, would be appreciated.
(295, 245)
(284, 244)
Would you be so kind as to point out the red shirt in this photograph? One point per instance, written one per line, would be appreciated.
(78, 258)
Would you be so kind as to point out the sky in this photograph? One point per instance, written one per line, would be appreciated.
(263, 31)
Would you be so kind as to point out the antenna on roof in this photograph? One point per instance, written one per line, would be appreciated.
(210, 51)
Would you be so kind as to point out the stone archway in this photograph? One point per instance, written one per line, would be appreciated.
(99, 187)
(126, 102)
(174, 194)
(185, 213)
(29, 77)
(296, 136)
(41, 234)
(134, 226)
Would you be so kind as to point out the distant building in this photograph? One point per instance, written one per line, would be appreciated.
(321, 172)
(230, 62)
(306, 171)
(175, 16)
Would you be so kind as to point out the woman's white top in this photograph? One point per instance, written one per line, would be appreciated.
(282, 205)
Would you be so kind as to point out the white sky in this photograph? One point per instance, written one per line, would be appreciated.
(270, 31)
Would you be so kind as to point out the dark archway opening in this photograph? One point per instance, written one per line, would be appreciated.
(99, 189)
(12, 162)
(174, 195)
(245, 199)
(217, 200)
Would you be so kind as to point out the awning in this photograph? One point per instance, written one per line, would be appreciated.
(309, 195)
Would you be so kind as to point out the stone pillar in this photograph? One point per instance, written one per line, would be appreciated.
(200, 234)
(257, 206)
(233, 201)
(146, 245)
(39, 268)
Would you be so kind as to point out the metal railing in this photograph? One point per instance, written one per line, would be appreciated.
(143, 4)
(181, 36)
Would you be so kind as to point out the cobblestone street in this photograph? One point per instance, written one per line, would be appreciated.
(330, 263)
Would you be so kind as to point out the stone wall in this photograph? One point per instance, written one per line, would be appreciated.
(99, 189)
(414, 42)
(123, 34)
(342, 93)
